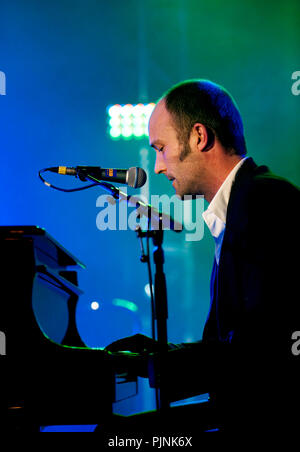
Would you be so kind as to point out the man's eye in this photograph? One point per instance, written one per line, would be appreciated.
(161, 149)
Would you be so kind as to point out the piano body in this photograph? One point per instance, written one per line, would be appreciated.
(48, 376)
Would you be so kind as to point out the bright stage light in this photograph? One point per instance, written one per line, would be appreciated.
(114, 121)
(138, 131)
(129, 121)
(114, 110)
(95, 305)
(126, 131)
(115, 132)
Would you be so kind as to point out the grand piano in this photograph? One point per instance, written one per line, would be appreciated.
(48, 375)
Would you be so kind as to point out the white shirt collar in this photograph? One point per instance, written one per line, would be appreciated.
(215, 215)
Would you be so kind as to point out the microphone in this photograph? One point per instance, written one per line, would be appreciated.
(134, 177)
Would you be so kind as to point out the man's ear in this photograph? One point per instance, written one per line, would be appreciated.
(205, 137)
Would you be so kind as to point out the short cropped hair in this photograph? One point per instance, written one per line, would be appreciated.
(210, 104)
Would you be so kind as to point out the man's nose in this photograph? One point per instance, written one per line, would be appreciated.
(160, 166)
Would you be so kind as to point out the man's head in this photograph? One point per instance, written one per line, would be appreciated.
(194, 127)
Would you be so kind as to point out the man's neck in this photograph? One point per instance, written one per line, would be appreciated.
(220, 171)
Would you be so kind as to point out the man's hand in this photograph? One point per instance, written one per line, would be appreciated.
(136, 344)
(130, 354)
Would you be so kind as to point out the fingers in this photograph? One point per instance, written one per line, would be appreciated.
(120, 345)
(136, 344)
(129, 363)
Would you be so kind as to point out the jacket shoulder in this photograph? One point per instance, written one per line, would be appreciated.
(260, 200)
(270, 191)
(256, 186)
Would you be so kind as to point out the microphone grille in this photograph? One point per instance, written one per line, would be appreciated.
(137, 177)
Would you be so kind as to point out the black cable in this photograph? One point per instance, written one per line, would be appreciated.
(60, 188)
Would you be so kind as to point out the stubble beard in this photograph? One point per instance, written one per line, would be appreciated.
(184, 153)
(190, 189)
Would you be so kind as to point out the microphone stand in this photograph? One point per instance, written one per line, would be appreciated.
(159, 220)
(160, 316)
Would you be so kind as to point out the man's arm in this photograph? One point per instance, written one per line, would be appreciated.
(188, 369)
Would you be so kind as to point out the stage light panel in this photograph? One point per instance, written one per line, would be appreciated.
(129, 121)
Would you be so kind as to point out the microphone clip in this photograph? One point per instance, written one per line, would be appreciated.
(82, 172)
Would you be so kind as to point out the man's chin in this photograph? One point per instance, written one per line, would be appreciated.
(183, 194)
(178, 194)
(186, 196)
(181, 197)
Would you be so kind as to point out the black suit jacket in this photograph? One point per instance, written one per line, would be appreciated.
(244, 359)
(255, 301)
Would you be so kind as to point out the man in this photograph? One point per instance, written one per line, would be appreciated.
(244, 359)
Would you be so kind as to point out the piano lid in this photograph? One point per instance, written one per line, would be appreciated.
(43, 241)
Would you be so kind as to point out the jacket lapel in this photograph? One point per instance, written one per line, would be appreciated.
(227, 303)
